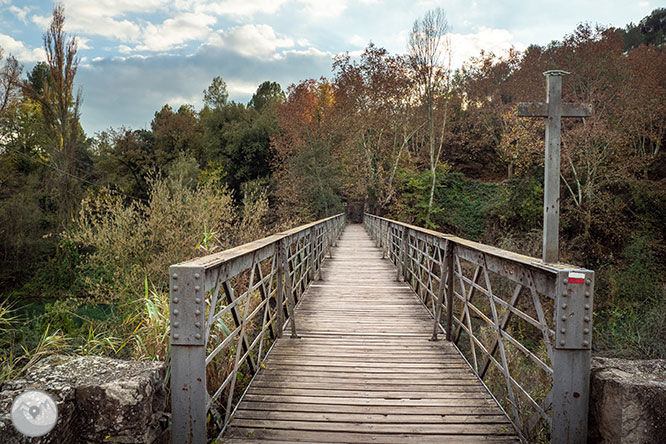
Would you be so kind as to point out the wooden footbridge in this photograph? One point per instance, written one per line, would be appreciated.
(378, 333)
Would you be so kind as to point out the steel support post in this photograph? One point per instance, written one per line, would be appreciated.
(571, 356)
(188, 355)
(571, 385)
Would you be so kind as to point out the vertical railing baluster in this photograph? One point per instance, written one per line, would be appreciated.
(241, 338)
(450, 291)
(288, 284)
(311, 270)
(443, 277)
(279, 289)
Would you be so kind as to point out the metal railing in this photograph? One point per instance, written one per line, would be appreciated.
(253, 289)
(524, 327)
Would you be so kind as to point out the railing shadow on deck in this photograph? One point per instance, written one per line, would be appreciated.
(528, 333)
(254, 288)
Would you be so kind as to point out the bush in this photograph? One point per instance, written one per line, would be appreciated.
(518, 204)
(631, 304)
(127, 243)
(127, 250)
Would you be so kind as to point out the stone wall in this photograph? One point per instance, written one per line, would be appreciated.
(100, 400)
(627, 401)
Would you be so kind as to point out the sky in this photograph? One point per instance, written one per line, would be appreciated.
(137, 55)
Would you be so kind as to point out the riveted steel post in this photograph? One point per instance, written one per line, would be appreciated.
(571, 356)
(188, 354)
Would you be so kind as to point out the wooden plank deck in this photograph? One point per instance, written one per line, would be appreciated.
(363, 369)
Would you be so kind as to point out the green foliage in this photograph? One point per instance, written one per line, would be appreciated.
(39, 76)
(152, 333)
(631, 304)
(127, 242)
(216, 95)
(461, 205)
(518, 204)
(465, 203)
(60, 314)
(176, 134)
(320, 174)
(237, 143)
(649, 31)
(414, 189)
(267, 93)
(125, 159)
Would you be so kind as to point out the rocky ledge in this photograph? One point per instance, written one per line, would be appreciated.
(100, 400)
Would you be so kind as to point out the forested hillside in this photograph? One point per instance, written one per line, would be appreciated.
(90, 223)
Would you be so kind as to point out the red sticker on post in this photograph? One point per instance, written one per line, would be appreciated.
(576, 278)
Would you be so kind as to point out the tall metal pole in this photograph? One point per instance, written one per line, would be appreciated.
(551, 204)
(553, 110)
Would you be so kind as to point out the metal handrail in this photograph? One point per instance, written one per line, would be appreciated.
(270, 274)
(521, 298)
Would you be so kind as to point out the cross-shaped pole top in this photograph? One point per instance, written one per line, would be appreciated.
(553, 110)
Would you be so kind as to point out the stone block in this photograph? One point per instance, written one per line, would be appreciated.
(627, 401)
(100, 400)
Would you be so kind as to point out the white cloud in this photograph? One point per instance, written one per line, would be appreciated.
(177, 101)
(464, 46)
(239, 87)
(105, 26)
(82, 43)
(643, 4)
(324, 9)
(111, 8)
(242, 8)
(258, 41)
(105, 18)
(20, 51)
(357, 40)
(20, 13)
(176, 31)
(309, 52)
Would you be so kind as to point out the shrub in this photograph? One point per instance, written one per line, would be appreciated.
(127, 243)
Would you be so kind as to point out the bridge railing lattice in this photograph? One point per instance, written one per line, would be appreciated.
(524, 327)
(226, 311)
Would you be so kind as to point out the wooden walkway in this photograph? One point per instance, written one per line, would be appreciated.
(363, 369)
